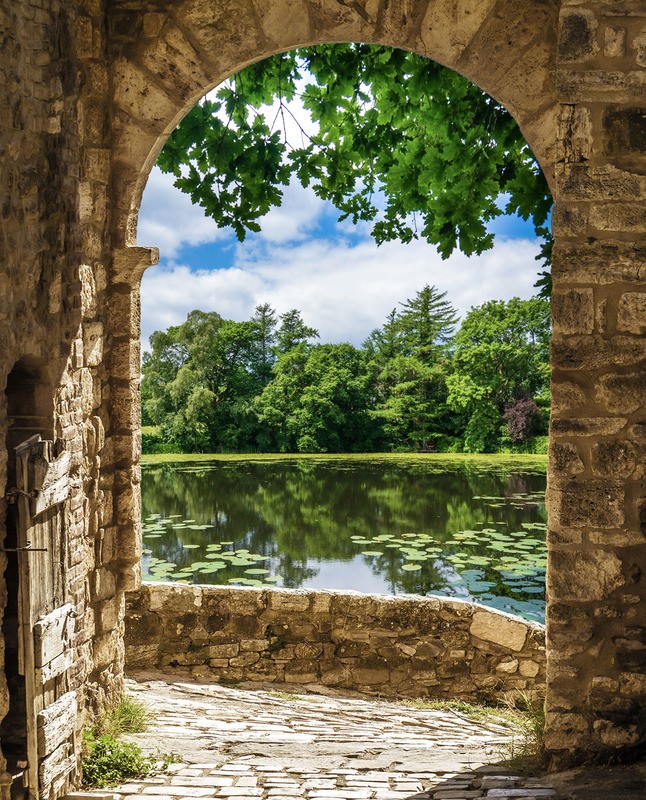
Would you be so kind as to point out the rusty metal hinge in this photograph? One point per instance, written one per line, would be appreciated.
(11, 495)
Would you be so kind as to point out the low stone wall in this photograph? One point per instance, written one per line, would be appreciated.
(401, 646)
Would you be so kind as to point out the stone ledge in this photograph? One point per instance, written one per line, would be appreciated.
(393, 646)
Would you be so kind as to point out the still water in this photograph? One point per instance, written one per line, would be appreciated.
(457, 526)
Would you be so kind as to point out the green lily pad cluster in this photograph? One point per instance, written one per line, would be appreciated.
(219, 557)
(517, 500)
(498, 567)
(414, 548)
(483, 550)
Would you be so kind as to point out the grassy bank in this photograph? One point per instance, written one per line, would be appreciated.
(529, 460)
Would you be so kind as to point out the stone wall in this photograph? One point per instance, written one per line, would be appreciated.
(596, 617)
(391, 646)
(59, 325)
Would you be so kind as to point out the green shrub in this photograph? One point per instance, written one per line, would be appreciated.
(152, 441)
(107, 761)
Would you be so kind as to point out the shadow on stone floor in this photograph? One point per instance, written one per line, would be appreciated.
(626, 782)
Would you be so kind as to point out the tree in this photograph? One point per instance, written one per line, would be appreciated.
(396, 140)
(318, 401)
(426, 323)
(198, 380)
(412, 412)
(501, 354)
(408, 354)
(293, 331)
(265, 321)
(385, 343)
(522, 417)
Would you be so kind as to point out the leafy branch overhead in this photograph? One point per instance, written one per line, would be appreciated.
(394, 139)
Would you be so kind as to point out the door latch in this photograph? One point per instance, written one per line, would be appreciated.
(12, 495)
(28, 546)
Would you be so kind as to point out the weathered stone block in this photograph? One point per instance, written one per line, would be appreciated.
(284, 602)
(585, 182)
(625, 131)
(596, 352)
(577, 32)
(573, 311)
(289, 21)
(614, 459)
(244, 659)
(598, 262)
(566, 394)
(631, 313)
(622, 393)
(459, 31)
(569, 219)
(370, 677)
(613, 734)
(587, 426)
(565, 459)
(499, 629)
(174, 598)
(614, 41)
(583, 576)
(565, 731)
(590, 503)
(629, 217)
(223, 651)
(124, 312)
(529, 668)
(109, 613)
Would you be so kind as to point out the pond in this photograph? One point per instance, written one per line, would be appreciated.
(471, 527)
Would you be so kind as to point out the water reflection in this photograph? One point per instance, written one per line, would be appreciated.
(472, 528)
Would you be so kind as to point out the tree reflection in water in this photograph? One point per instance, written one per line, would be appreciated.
(470, 527)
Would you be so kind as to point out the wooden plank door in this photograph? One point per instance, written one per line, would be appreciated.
(46, 619)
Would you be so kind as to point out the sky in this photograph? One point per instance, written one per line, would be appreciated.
(303, 258)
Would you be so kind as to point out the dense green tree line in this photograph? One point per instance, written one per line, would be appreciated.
(211, 384)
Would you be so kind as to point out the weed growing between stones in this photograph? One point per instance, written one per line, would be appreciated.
(108, 761)
(528, 754)
(524, 718)
(128, 715)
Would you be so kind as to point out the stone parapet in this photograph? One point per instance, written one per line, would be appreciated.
(392, 646)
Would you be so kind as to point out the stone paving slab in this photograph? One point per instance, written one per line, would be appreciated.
(272, 746)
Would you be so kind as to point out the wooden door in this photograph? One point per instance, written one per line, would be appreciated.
(46, 618)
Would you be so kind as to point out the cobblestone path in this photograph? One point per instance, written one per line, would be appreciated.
(259, 744)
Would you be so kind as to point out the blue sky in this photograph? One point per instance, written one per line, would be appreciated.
(303, 258)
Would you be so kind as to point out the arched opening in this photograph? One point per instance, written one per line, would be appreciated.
(29, 404)
(415, 356)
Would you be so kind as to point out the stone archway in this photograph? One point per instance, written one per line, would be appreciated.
(573, 77)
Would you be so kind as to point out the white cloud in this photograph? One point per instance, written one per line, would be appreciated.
(169, 220)
(294, 219)
(344, 290)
